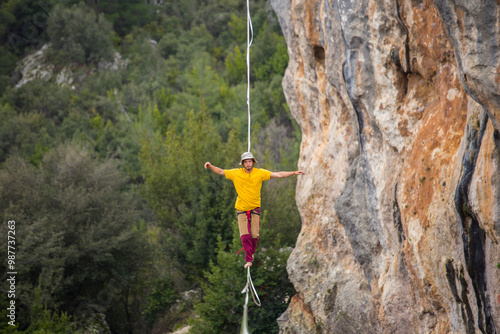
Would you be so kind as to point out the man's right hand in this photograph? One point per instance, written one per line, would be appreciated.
(213, 168)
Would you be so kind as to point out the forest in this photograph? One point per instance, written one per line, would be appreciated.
(118, 227)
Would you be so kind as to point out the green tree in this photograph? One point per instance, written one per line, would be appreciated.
(79, 228)
(269, 54)
(49, 99)
(7, 64)
(160, 299)
(79, 35)
(24, 134)
(22, 27)
(168, 45)
(221, 308)
(125, 15)
(235, 66)
(45, 321)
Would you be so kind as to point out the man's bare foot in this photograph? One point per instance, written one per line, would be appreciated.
(248, 264)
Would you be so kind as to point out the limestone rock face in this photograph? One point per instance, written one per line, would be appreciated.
(399, 106)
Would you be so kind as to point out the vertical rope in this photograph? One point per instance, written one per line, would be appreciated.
(249, 43)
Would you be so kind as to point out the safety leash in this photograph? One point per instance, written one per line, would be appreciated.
(248, 286)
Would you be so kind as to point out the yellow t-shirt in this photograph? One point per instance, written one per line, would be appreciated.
(247, 186)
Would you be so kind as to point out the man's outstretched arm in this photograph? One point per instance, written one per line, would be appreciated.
(279, 175)
(214, 169)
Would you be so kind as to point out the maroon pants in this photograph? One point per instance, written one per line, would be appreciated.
(249, 225)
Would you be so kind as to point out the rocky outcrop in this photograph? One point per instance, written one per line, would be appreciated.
(37, 66)
(399, 106)
(34, 67)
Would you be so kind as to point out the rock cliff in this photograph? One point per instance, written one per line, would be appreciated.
(399, 106)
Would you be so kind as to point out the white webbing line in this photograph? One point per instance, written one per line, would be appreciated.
(248, 286)
(249, 43)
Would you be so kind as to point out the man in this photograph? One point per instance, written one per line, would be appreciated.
(248, 182)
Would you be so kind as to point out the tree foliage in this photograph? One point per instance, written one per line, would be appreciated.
(76, 227)
(79, 35)
(44, 320)
(235, 66)
(222, 306)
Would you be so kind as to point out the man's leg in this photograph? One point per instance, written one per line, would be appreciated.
(246, 238)
(255, 229)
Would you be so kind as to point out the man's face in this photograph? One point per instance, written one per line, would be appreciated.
(248, 164)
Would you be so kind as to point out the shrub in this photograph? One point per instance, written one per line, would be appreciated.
(81, 240)
(79, 35)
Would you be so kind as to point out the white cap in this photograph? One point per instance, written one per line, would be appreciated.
(247, 155)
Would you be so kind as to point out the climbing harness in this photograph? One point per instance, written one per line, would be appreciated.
(249, 43)
(256, 300)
